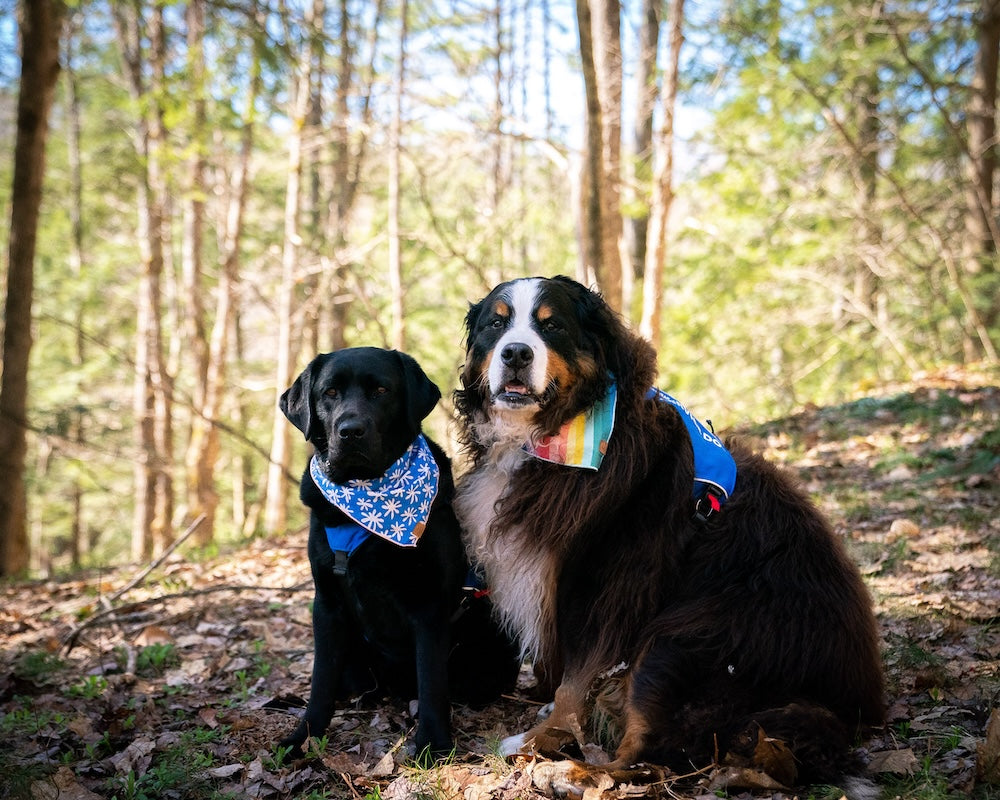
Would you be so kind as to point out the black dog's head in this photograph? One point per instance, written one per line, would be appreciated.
(361, 408)
(539, 351)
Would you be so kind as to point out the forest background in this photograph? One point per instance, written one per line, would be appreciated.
(794, 200)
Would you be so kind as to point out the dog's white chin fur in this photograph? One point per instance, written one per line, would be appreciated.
(506, 428)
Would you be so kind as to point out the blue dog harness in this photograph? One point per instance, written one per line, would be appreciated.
(582, 442)
(714, 467)
(395, 506)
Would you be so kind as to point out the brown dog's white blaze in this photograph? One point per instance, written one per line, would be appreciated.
(518, 364)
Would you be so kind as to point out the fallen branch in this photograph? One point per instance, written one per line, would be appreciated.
(107, 617)
(163, 557)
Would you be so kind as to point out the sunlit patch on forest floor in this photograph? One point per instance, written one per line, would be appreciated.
(181, 686)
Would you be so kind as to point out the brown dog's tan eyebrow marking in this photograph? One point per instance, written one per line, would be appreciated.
(501, 308)
(544, 312)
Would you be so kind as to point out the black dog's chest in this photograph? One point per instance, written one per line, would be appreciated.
(386, 587)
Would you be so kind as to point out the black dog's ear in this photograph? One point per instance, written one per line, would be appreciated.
(422, 393)
(297, 402)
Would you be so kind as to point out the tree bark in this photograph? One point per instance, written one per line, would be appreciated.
(398, 329)
(591, 169)
(79, 533)
(642, 134)
(980, 221)
(663, 191)
(600, 51)
(40, 25)
(276, 503)
(608, 64)
(152, 388)
(200, 493)
(203, 450)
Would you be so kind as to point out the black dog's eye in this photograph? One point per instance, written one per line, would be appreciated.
(380, 391)
(331, 392)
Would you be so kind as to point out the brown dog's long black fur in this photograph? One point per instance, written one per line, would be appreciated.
(755, 620)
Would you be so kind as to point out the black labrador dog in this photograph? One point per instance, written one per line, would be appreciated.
(391, 613)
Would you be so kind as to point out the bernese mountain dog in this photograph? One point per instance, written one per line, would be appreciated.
(724, 623)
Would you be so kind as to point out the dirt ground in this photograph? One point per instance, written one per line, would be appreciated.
(179, 686)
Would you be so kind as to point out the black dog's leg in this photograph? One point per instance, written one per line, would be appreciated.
(434, 728)
(328, 636)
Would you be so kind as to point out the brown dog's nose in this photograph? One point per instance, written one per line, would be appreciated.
(516, 355)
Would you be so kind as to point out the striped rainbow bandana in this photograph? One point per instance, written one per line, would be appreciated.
(395, 506)
(583, 441)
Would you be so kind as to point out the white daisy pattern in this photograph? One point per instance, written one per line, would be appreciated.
(395, 506)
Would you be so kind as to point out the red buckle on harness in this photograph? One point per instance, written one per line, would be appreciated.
(705, 506)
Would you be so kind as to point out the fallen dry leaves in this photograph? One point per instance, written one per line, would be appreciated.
(907, 478)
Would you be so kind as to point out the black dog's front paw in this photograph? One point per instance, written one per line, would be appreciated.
(432, 745)
(291, 745)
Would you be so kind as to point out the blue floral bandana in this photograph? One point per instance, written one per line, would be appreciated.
(395, 506)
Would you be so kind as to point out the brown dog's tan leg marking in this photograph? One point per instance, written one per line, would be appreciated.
(563, 726)
(633, 742)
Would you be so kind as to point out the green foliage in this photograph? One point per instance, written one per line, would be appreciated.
(19, 776)
(37, 665)
(179, 771)
(27, 721)
(90, 688)
(782, 203)
(154, 659)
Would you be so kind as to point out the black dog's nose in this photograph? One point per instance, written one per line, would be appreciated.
(516, 355)
(351, 429)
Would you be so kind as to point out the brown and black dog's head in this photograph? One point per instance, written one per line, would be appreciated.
(361, 407)
(539, 351)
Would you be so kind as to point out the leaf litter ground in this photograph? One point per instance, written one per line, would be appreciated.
(179, 686)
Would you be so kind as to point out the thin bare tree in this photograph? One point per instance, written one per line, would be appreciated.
(398, 329)
(276, 502)
(40, 23)
(599, 25)
(980, 220)
(663, 190)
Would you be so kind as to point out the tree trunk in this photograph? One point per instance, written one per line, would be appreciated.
(608, 64)
(590, 171)
(40, 23)
(79, 533)
(980, 221)
(398, 330)
(152, 389)
(663, 192)
(276, 502)
(203, 450)
(642, 134)
(600, 51)
(200, 493)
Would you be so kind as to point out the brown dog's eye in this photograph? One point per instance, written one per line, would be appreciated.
(496, 323)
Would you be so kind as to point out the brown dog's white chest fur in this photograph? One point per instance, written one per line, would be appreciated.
(521, 578)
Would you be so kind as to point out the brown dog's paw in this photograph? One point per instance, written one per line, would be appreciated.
(545, 739)
(565, 778)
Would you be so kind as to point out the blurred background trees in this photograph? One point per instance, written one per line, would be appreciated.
(233, 187)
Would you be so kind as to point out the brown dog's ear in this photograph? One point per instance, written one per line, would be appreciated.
(297, 402)
(422, 393)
